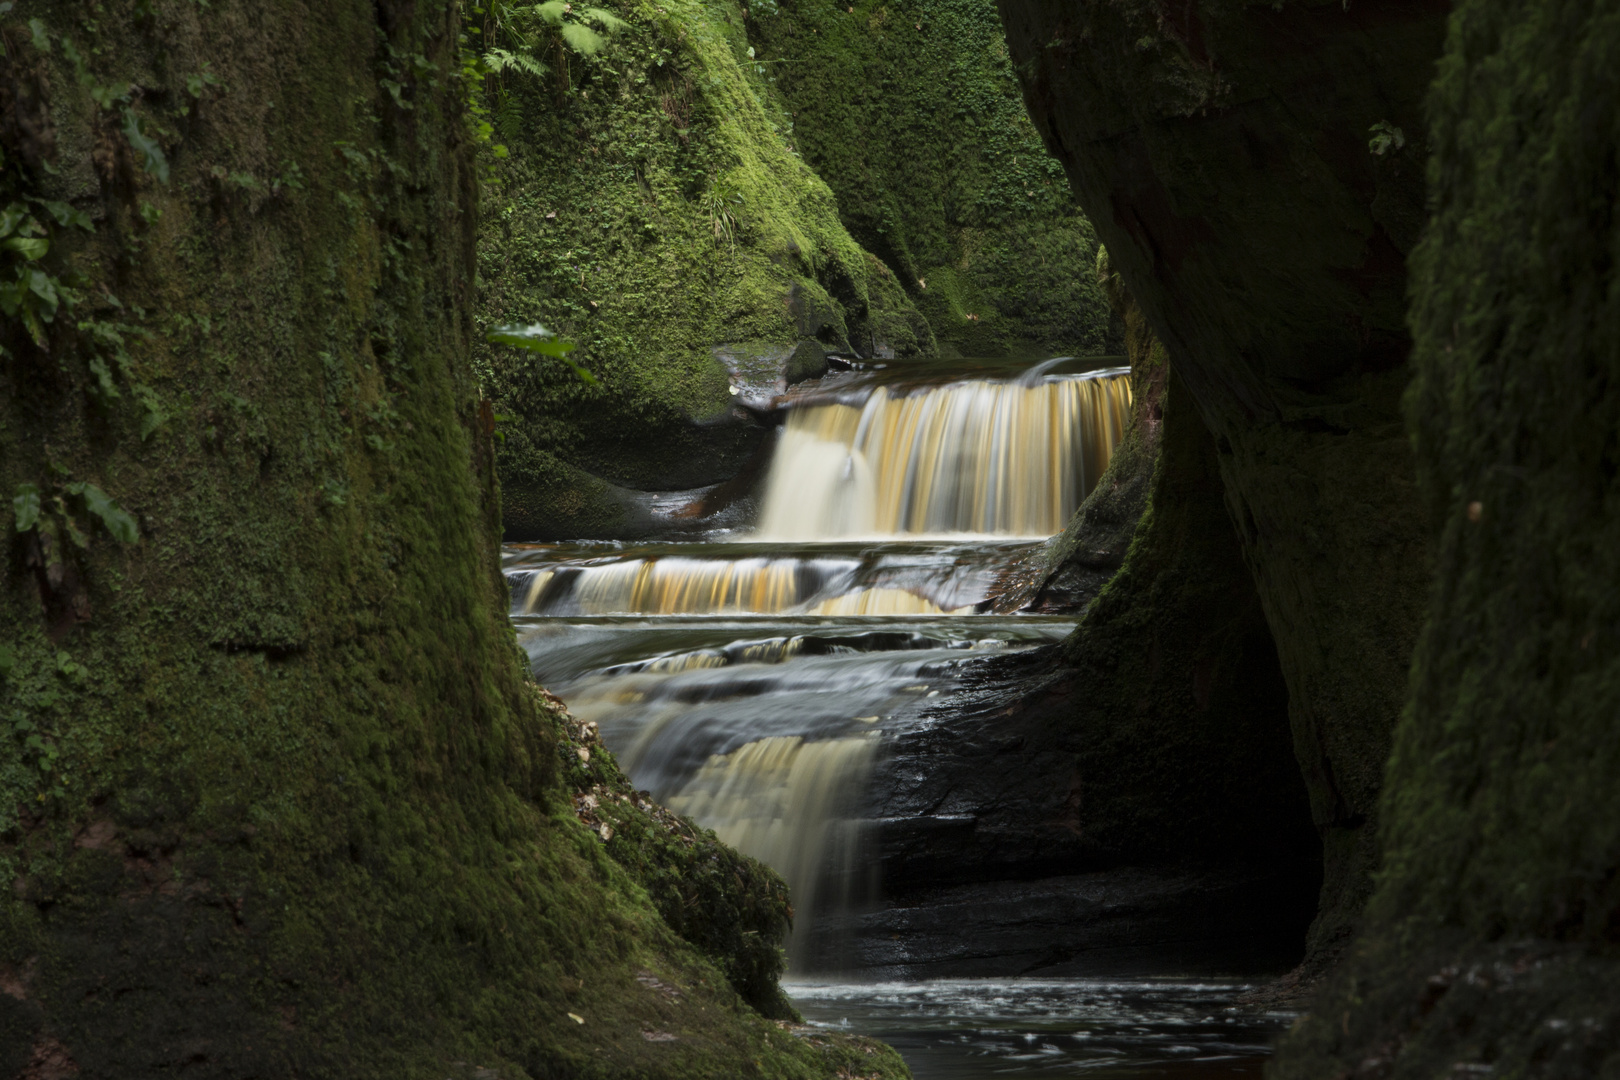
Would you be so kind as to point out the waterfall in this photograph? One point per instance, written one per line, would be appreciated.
(749, 682)
(787, 802)
(924, 580)
(1004, 458)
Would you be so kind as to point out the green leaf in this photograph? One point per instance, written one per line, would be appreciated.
(154, 417)
(108, 96)
(537, 339)
(75, 533)
(534, 338)
(12, 217)
(8, 658)
(116, 520)
(582, 39)
(42, 40)
(35, 328)
(605, 19)
(26, 506)
(146, 146)
(551, 11)
(43, 286)
(66, 216)
(104, 385)
(28, 248)
(498, 60)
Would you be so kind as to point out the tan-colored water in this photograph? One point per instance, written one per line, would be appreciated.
(989, 458)
(769, 740)
(787, 802)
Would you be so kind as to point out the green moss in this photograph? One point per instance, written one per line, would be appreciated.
(1490, 940)
(1182, 741)
(653, 209)
(304, 816)
(910, 110)
(732, 907)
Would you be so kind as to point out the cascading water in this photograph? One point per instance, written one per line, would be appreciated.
(749, 683)
(1010, 458)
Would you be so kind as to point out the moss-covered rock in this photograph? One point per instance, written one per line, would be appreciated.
(1182, 742)
(276, 798)
(653, 209)
(732, 907)
(1255, 171)
(910, 111)
(1093, 544)
(1490, 943)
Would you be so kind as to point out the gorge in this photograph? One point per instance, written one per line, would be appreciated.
(1069, 536)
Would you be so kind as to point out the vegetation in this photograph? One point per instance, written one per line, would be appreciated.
(1490, 940)
(277, 797)
(911, 112)
(654, 206)
(651, 208)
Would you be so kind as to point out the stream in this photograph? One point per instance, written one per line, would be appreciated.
(751, 680)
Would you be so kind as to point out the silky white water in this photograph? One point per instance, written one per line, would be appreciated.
(749, 684)
(983, 457)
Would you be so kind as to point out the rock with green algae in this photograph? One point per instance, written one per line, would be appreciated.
(1256, 172)
(732, 907)
(1489, 946)
(1092, 546)
(653, 209)
(276, 798)
(911, 112)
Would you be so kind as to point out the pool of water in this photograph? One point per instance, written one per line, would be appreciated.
(968, 1029)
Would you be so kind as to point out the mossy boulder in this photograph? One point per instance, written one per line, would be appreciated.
(1256, 173)
(277, 798)
(910, 111)
(654, 210)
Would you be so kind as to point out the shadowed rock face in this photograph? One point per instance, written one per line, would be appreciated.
(1489, 947)
(1256, 174)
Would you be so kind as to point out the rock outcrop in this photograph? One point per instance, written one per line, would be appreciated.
(910, 111)
(653, 209)
(276, 796)
(1256, 173)
(1127, 802)
(1489, 946)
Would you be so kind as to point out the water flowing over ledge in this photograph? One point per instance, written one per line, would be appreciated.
(1002, 458)
(752, 681)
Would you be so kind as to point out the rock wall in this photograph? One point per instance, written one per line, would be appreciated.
(1490, 943)
(662, 204)
(1256, 172)
(910, 111)
(1128, 802)
(653, 208)
(276, 798)
(1093, 544)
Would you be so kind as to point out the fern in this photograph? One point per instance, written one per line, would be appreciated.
(499, 60)
(581, 38)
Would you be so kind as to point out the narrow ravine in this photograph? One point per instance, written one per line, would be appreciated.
(752, 679)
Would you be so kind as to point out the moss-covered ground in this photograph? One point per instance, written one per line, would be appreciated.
(276, 797)
(911, 112)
